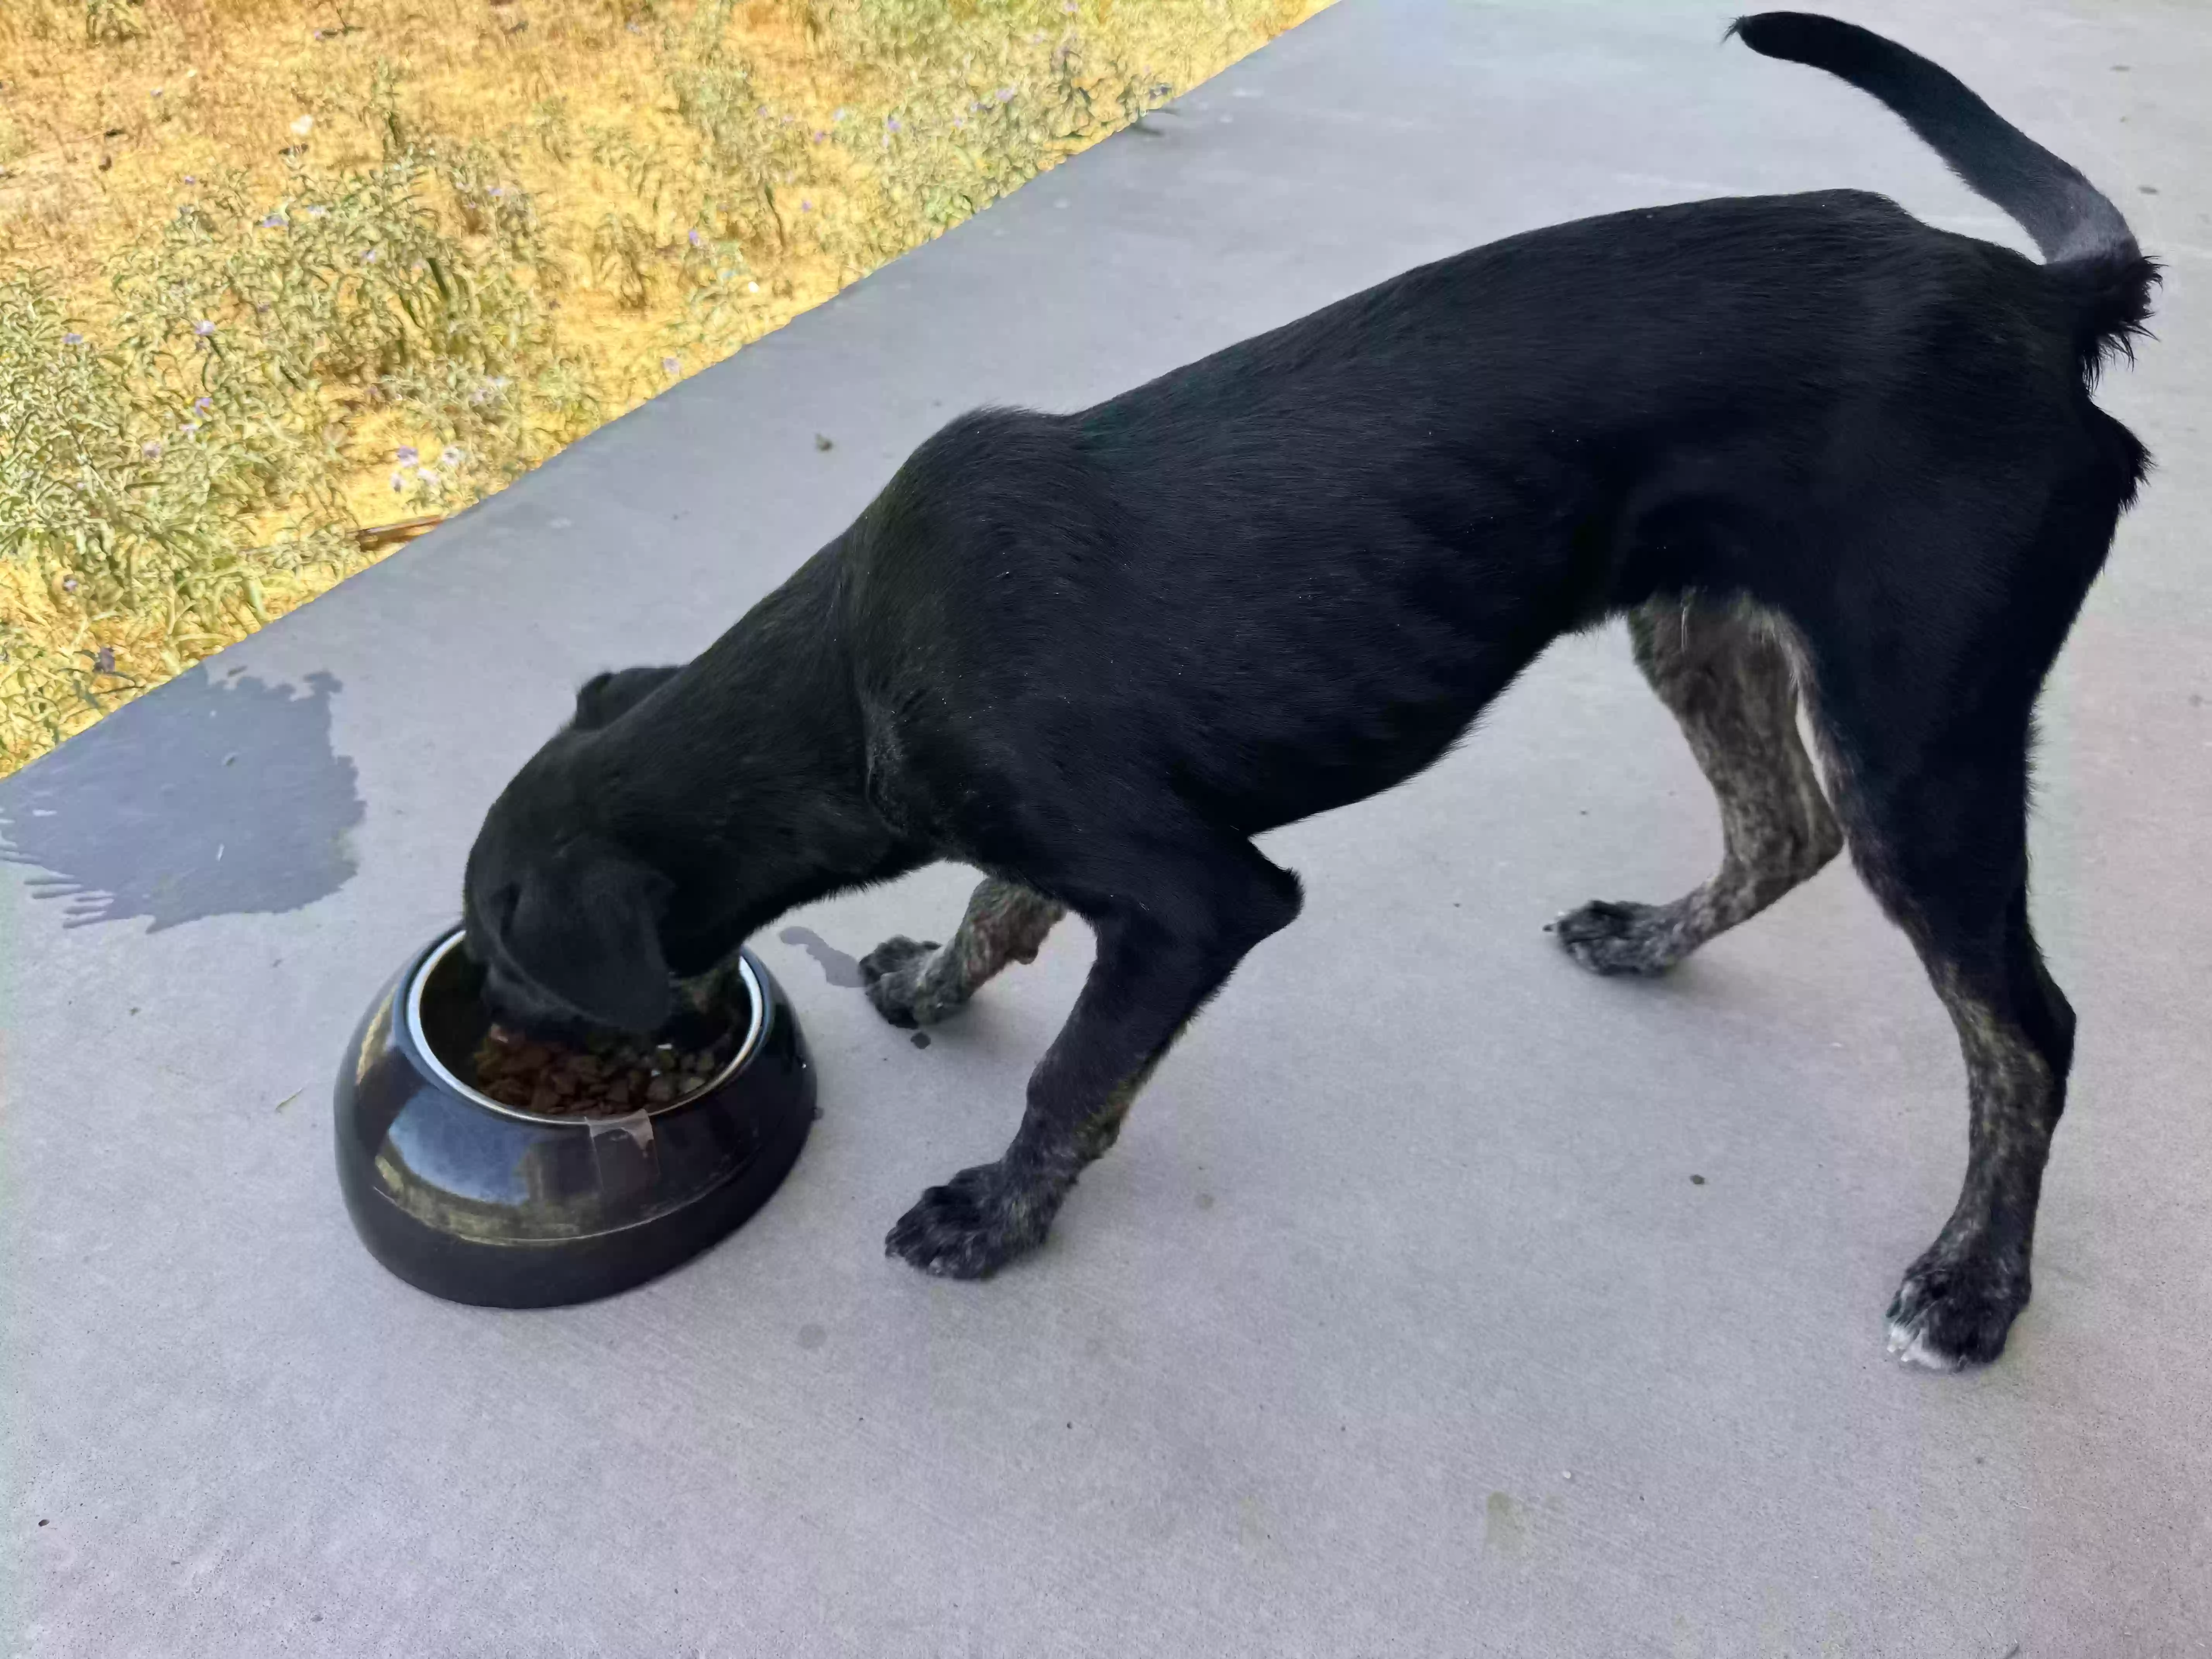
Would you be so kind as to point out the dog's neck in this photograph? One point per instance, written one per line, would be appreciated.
(745, 777)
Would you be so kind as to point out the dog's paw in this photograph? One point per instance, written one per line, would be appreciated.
(972, 1225)
(892, 973)
(1609, 938)
(1953, 1311)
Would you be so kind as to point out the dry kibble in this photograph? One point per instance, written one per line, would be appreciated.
(609, 1075)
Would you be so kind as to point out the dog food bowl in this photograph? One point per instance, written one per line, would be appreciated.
(501, 1206)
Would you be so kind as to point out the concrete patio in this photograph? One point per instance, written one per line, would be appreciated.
(1396, 1324)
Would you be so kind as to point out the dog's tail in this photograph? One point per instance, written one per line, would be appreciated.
(2087, 246)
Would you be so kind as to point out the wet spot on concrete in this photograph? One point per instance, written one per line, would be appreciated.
(811, 1337)
(920, 1039)
(208, 798)
(1697, 1181)
(1502, 1527)
(1206, 1200)
(837, 967)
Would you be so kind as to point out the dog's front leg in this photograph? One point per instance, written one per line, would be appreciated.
(1160, 954)
(919, 983)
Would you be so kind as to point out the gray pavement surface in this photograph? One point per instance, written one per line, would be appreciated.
(1396, 1324)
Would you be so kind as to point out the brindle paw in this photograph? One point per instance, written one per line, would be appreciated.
(972, 1225)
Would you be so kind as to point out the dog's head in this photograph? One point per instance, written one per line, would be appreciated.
(565, 921)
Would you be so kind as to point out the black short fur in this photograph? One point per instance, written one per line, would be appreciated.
(1094, 654)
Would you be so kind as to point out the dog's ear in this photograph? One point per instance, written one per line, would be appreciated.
(604, 698)
(586, 926)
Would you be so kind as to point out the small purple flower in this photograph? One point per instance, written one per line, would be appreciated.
(1005, 95)
(103, 660)
(451, 457)
(368, 256)
(150, 450)
(959, 121)
(189, 180)
(671, 365)
(427, 475)
(497, 189)
(189, 429)
(819, 136)
(891, 123)
(157, 92)
(399, 483)
(72, 339)
(203, 328)
(203, 404)
(68, 584)
(805, 206)
(317, 211)
(274, 221)
(406, 455)
(697, 241)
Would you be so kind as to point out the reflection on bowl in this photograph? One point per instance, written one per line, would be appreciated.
(496, 1205)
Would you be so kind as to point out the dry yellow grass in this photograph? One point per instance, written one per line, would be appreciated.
(597, 196)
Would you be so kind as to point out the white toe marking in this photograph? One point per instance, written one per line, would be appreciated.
(1910, 1344)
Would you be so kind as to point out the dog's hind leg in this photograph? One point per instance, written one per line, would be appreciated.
(1164, 946)
(1937, 814)
(919, 983)
(1727, 677)
(1922, 688)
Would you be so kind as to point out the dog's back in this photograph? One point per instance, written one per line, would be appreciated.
(1365, 523)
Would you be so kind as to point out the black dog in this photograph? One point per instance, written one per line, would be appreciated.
(1806, 443)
